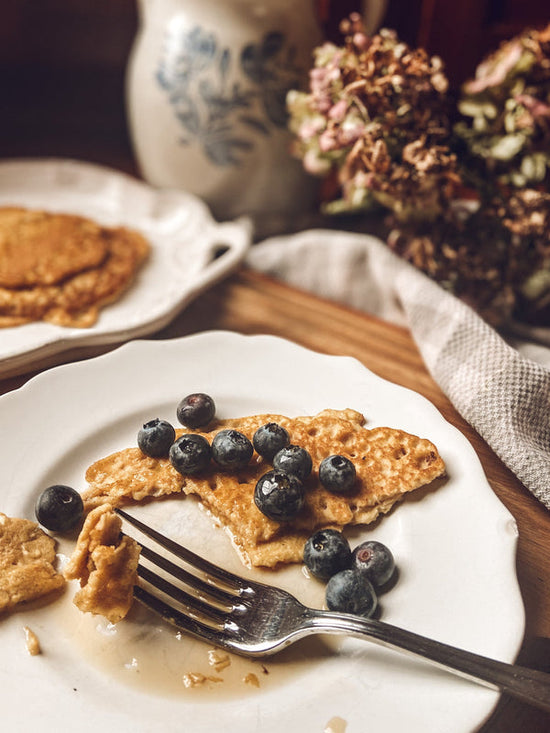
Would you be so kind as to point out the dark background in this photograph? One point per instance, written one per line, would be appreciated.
(62, 63)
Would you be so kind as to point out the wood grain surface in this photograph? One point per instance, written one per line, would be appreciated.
(253, 304)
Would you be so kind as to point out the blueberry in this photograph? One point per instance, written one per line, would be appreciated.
(350, 591)
(59, 508)
(327, 552)
(375, 561)
(337, 474)
(155, 438)
(190, 454)
(295, 460)
(231, 449)
(279, 495)
(270, 439)
(196, 410)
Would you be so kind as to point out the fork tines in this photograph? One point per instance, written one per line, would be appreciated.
(198, 599)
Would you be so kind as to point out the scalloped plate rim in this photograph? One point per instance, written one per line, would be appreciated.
(117, 374)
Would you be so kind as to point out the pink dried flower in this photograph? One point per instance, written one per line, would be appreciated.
(377, 95)
(495, 69)
(338, 111)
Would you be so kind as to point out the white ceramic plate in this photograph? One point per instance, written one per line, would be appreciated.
(184, 240)
(455, 547)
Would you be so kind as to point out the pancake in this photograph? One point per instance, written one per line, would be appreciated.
(76, 301)
(27, 555)
(105, 563)
(389, 464)
(41, 248)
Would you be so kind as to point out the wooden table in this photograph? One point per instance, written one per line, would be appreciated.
(251, 303)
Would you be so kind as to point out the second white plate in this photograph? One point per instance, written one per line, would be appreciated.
(185, 240)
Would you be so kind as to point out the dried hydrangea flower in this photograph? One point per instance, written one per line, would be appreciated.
(376, 118)
(506, 112)
(377, 114)
(496, 257)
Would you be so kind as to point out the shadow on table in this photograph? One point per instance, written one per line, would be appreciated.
(509, 715)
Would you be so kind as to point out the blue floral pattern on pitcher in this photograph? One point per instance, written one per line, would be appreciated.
(213, 108)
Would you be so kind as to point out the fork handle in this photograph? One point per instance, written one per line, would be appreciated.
(525, 684)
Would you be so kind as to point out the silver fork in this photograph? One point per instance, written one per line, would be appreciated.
(254, 619)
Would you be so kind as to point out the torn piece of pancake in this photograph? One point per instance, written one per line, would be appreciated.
(68, 294)
(389, 463)
(32, 642)
(105, 563)
(27, 557)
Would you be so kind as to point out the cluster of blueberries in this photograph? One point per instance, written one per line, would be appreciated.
(279, 493)
(354, 578)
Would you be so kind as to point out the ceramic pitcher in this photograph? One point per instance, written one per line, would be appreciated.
(206, 89)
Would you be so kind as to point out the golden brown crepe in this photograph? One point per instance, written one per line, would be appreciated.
(389, 464)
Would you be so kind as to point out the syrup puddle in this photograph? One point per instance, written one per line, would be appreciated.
(152, 656)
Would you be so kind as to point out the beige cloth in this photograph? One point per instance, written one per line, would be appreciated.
(501, 388)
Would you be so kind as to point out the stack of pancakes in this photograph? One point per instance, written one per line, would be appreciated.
(62, 268)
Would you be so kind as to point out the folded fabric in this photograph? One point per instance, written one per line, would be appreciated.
(502, 389)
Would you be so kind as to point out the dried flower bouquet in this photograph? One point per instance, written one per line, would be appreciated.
(379, 121)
